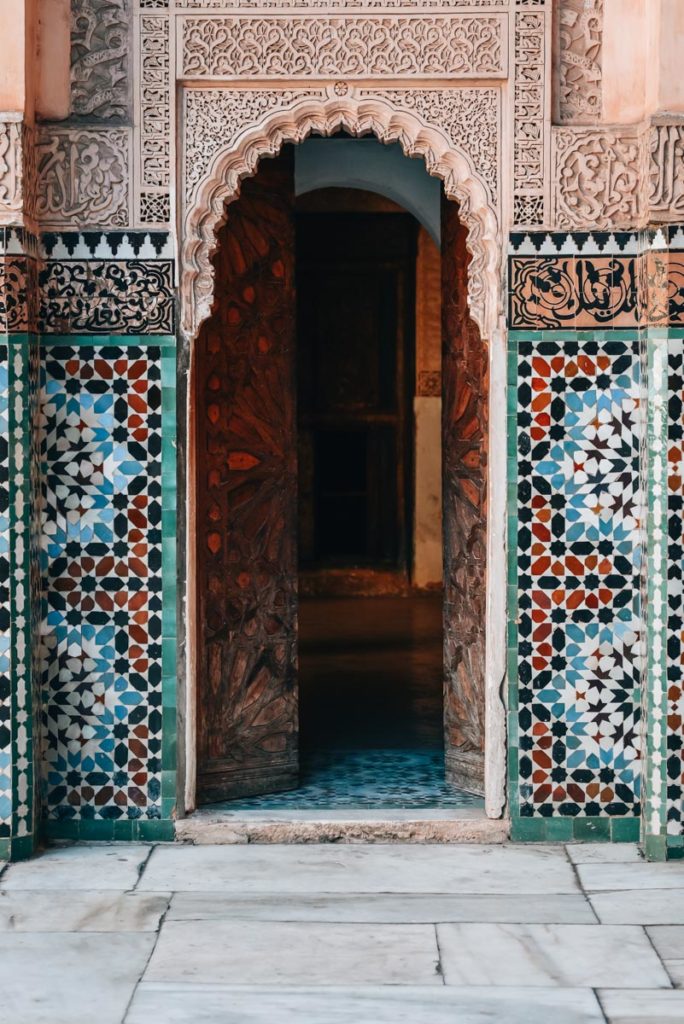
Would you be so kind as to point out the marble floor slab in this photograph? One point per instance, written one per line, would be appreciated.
(215, 1004)
(378, 868)
(675, 969)
(101, 866)
(668, 941)
(383, 908)
(622, 1006)
(27, 910)
(629, 906)
(284, 953)
(583, 956)
(69, 978)
(604, 853)
(611, 877)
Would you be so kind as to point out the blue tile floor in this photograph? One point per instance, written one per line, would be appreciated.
(366, 779)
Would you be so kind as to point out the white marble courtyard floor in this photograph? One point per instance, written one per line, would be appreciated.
(346, 934)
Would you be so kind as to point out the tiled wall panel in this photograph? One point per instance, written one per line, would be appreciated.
(575, 578)
(108, 645)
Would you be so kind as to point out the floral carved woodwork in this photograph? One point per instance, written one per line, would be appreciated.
(464, 447)
(343, 47)
(247, 500)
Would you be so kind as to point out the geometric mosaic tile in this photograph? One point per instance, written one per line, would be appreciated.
(101, 428)
(675, 591)
(578, 577)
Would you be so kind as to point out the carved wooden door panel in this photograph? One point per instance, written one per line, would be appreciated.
(246, 499)
(464, 445)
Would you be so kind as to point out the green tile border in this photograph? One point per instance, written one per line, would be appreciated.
(656, 364)
(155, 830)
(24, 707)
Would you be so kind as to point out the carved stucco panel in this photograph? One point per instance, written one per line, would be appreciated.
(83, 177)
(317, 5)
(600, 177)
(666, 184)
(228, 131)
(530, 123)
(17, 172)
(155, 124)
(359, 46)
(214, 118)
(100, 32)
(579, 42)
(470, 118)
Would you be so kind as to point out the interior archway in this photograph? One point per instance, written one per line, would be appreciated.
(206, 211)
(248, 472)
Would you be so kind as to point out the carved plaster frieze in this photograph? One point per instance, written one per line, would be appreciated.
(600, 177)
(17, 172)
(214, 118)
(530, 123)
(579, 43)
(83, 177)
(100, 32)
(11, 167)
(317, 5)
(154, 120)
(229, 131)
(666, 184)
(295, 46)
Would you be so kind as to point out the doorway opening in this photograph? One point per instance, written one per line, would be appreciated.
(325, 431)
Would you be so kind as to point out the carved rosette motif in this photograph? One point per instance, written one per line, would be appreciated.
(99, 59)
(579, 41)
(83, 177)
(224, 145)
(243, 47)
(600, 177)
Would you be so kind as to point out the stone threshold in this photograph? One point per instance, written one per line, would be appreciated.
(224, 827)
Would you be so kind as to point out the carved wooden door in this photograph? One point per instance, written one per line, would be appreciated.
(464, 461)
(246, 500)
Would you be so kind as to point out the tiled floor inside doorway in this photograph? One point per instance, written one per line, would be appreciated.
(370, 677)
(366, 779)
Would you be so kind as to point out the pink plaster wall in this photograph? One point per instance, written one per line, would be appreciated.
(53, 46)
(627, 59)
(17, 18)
(643, 48)
(671, 63)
